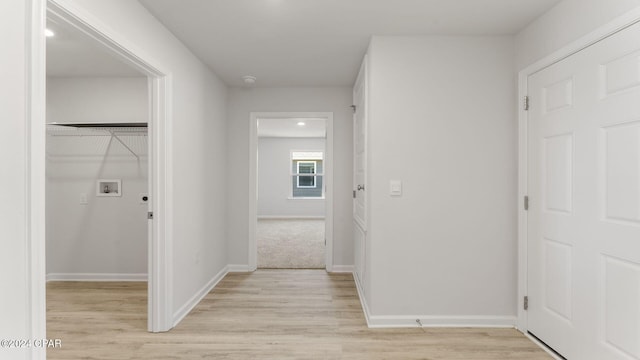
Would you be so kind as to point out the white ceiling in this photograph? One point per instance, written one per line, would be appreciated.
(70, 53)
(312, 128)
(322, 42)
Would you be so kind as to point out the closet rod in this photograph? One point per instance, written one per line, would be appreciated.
(101, 125)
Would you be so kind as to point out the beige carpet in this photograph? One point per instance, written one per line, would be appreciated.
(291, 244)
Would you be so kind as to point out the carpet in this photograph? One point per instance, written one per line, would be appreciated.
(291, 244)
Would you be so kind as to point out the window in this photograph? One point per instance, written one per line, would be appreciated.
(306, 174)
(306, 167)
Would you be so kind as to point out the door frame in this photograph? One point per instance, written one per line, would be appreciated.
(160, 241)
(253, 181)
(618, 24)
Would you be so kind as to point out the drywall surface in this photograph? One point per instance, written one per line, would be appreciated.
(566, 22)
(274, 178)
(103, 99)
(441, 121)
(242, 102)
(91, 236)
(14, 222)
(196, 143)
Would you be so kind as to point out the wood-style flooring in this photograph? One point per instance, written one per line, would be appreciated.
(268, 314)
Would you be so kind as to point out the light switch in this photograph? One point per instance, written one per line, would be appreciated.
(83, 199)
(395, 188)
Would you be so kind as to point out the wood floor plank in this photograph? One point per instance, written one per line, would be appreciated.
(268, 314)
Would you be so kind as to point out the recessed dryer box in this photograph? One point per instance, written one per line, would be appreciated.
(109, 187)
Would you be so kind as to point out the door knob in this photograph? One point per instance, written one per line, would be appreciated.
(360, 187)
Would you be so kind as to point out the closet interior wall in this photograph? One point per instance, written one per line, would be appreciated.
(91, 236)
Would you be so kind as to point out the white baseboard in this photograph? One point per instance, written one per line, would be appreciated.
(406, 321)
(342, 269)
(363, 301)
(95, 277)
(238, 268)
(289, 217)
(195, 299)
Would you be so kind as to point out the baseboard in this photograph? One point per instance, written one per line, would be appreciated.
(363, 301)
(342, 269)
(406, 321)
(95, 277)
(238, 268)
(289, 217)
(195, 299)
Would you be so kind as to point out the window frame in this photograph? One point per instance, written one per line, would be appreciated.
(296, 156)
(311, 175)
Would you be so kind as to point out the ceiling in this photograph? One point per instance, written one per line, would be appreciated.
(322, 42)
(289, 127)
(71, 53)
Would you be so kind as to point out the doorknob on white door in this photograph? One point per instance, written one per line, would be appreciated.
(360, 187)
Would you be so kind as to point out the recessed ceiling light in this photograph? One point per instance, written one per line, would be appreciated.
(49, 33)
(301, 123)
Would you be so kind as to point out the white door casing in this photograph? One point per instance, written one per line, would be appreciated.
(584, 186)
(160, 273)
(359, 174)
(253, 181)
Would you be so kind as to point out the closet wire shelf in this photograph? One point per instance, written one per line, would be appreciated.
(124, 133)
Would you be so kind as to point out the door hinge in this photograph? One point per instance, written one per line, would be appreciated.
(150, 215)
(525, 103)
(354, 194)
(526, 303)
(353, 107)
(526, 203)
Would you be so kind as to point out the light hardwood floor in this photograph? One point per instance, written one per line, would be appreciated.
(268, 314)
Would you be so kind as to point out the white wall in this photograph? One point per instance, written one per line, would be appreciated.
(197, 143)
(103, 99)
(106, 237)
(442, 121)
(15, 301)
(274, 179)
(241, 103)
(566, 22)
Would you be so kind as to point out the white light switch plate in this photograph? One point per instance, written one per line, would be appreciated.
(395, 188)
(83, 199)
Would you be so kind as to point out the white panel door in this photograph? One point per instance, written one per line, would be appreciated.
(359, 173)
(584, 215)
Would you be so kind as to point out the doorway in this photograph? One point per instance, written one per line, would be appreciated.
(138, 139)
(291, 192)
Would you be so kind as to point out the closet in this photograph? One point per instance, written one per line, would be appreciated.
(97, 201)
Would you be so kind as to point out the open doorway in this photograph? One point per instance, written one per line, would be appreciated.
(291, 193)
(291, 224)
(106, 173)
(97, 176)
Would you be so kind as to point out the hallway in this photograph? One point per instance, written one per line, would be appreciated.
(268, 314)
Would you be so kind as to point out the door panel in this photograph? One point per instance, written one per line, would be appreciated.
(584, 188)
(359, 174)
(359, 150)
(553, 127)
